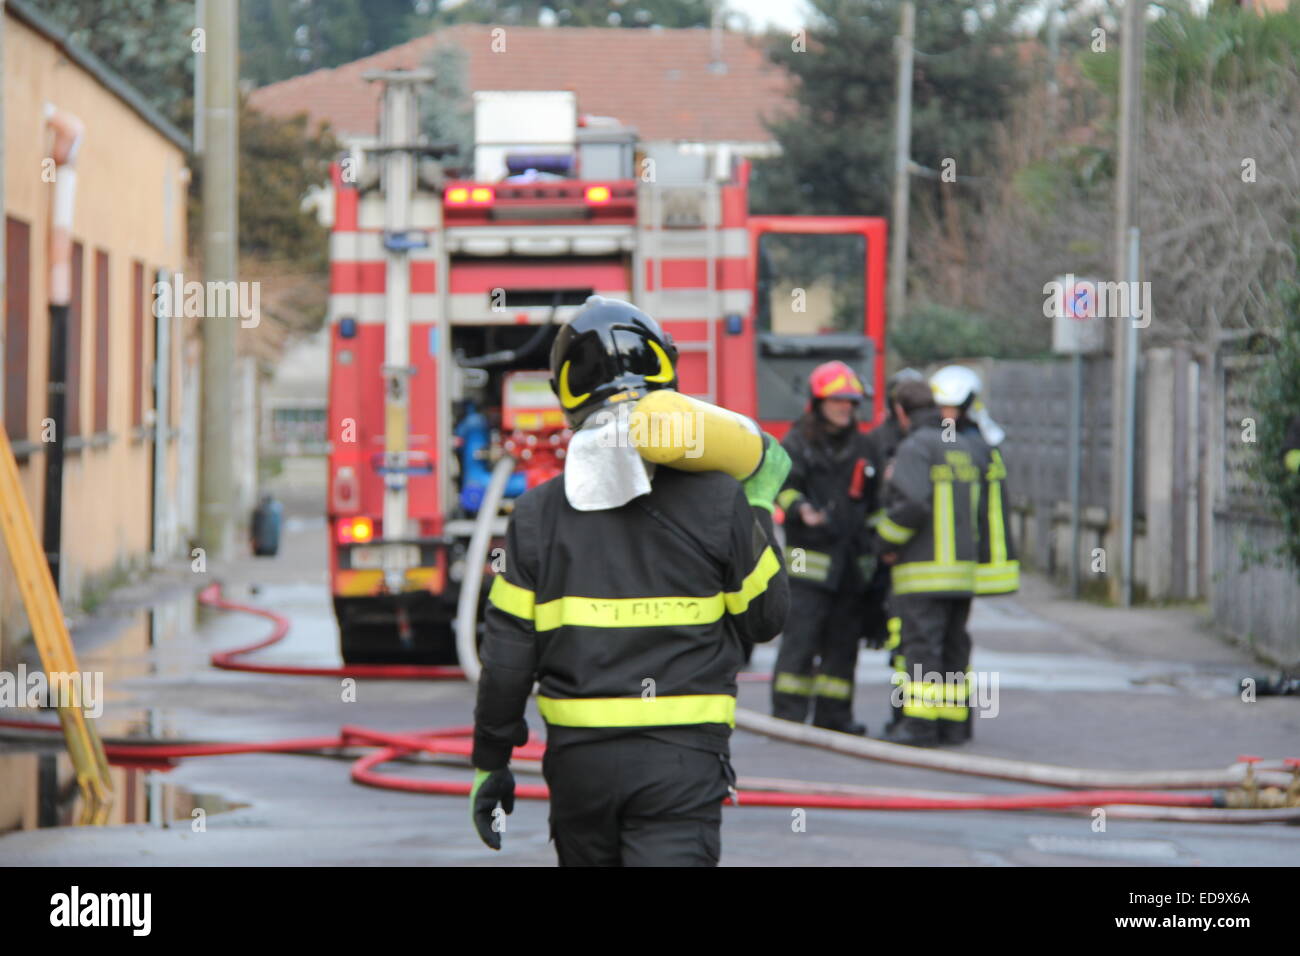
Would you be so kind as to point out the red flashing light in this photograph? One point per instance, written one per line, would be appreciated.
(458, 196)
(481, 195)
(355, 530)
(597, 195)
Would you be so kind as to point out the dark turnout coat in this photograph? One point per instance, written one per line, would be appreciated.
(631, 619)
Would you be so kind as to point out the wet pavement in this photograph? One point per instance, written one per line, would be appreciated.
(1077, 685)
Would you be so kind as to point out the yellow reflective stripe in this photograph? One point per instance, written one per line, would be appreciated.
(925, 576)
(820, 558)
(895, 628)
(638, 711)
(511, 598)
(997, 469)
(892, 531)
(997, 530)
(629, 612)
(945, 535)
(812, 565)
(997, 578)
(788, 497)
(932, 700)
(755, 582)
(787, 683)
(832, 687)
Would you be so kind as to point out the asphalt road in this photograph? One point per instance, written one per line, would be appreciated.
(1078, 685)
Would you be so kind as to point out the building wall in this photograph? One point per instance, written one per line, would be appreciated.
(130, 204)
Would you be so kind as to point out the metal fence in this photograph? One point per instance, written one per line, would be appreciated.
(1031, 400)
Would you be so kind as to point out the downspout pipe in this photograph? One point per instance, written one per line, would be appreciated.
(67, 131)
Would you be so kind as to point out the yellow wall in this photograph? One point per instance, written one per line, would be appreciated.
(130, 201)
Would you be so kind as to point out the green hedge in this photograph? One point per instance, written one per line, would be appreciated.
(1277, 402)
(935, 333)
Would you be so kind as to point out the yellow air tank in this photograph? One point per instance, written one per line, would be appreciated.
(672, 429)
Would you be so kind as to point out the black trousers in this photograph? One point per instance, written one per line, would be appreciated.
(636, 801)
(935, 641)
(818, 655)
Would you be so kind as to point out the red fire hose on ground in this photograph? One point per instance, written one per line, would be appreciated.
(456, 742)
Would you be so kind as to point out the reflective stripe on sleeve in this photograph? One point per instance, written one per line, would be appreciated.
(511, 598)
(893, 532)
(806, 564)
(755, 583)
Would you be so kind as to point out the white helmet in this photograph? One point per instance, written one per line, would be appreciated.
(954, 385)
(959, 386)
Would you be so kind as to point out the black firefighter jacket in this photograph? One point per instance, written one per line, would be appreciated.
(630, 619)
(932, 508)
(838, 478)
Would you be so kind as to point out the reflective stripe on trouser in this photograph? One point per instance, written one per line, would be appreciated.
(939, 699)
(933, 640)
(817, 656)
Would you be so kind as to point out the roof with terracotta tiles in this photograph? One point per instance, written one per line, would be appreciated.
(660, 81)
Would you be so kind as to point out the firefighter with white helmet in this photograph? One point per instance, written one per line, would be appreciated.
(999, 570)
(927, 532)
(827, 497)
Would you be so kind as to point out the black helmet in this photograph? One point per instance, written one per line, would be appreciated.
(609, 352)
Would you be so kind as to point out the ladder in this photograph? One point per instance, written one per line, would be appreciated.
(51, 633)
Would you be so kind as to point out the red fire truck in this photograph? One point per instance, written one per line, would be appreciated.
(446, 295)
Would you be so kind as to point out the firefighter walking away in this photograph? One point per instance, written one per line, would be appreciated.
(827, 498)
(627, 593)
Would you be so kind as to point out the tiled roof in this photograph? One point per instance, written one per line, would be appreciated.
(659, 81)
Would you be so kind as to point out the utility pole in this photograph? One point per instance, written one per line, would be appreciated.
(902, 159)
(221, 264)
(1132, 40)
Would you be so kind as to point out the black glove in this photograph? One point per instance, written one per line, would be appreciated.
(490, 788)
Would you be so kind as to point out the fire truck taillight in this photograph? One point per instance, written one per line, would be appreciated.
(597, 195)
(467, 196)
(355, 530)
(345, 489)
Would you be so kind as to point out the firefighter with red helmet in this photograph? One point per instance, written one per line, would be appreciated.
(627, 594)
(826, 498)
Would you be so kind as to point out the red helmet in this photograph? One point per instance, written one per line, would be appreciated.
(835, 380)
